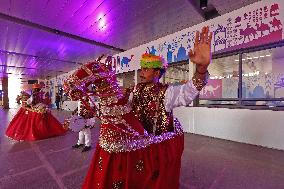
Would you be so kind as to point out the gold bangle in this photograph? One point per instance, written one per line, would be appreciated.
(200, 83)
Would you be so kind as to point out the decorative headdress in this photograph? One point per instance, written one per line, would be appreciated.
(36, 86)
(96, 73)
(152, 61)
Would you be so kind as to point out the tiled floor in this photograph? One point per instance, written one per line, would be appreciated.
(207, 163)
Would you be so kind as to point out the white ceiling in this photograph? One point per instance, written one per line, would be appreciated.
(31, 47)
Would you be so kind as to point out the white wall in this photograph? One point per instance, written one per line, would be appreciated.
(258, 127)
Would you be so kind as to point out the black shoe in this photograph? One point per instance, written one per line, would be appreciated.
(78, 146)
(86, 148)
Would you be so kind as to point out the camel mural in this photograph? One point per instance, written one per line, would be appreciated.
(276, 23)
(248, 32)
(125, 61)
(262, 28)
(209, 90)
(116, 62)
(261, 23)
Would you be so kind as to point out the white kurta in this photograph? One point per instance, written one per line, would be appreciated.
(181, 95)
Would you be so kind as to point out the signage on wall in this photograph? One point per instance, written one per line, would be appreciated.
(256, 24)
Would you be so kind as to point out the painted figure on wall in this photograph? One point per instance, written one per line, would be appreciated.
(152, 50)
(125, 61)
(169, 54)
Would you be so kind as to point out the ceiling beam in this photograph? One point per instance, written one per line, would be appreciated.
(38, 57)
(22, 67)
(57, 32)
(28, 76)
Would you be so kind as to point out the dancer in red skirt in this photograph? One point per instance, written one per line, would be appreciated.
(34, 121)
(140, 144)
(22, 98)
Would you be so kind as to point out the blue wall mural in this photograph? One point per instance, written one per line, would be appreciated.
(255, 24)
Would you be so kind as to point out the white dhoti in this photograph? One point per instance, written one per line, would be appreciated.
(85, 137)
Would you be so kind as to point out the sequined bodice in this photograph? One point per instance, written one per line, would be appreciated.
(37, 98)
(148, 106)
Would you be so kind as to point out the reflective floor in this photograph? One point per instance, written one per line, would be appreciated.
(207, 163)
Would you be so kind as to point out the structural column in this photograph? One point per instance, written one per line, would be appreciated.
(192, 69)
(5, 92)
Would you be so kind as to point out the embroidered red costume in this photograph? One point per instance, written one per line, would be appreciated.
(34, 121)
(140, 146)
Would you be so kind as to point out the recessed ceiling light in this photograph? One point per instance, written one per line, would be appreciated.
(101, 15)
(102, 23)
(261, 56)
(268, 55)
